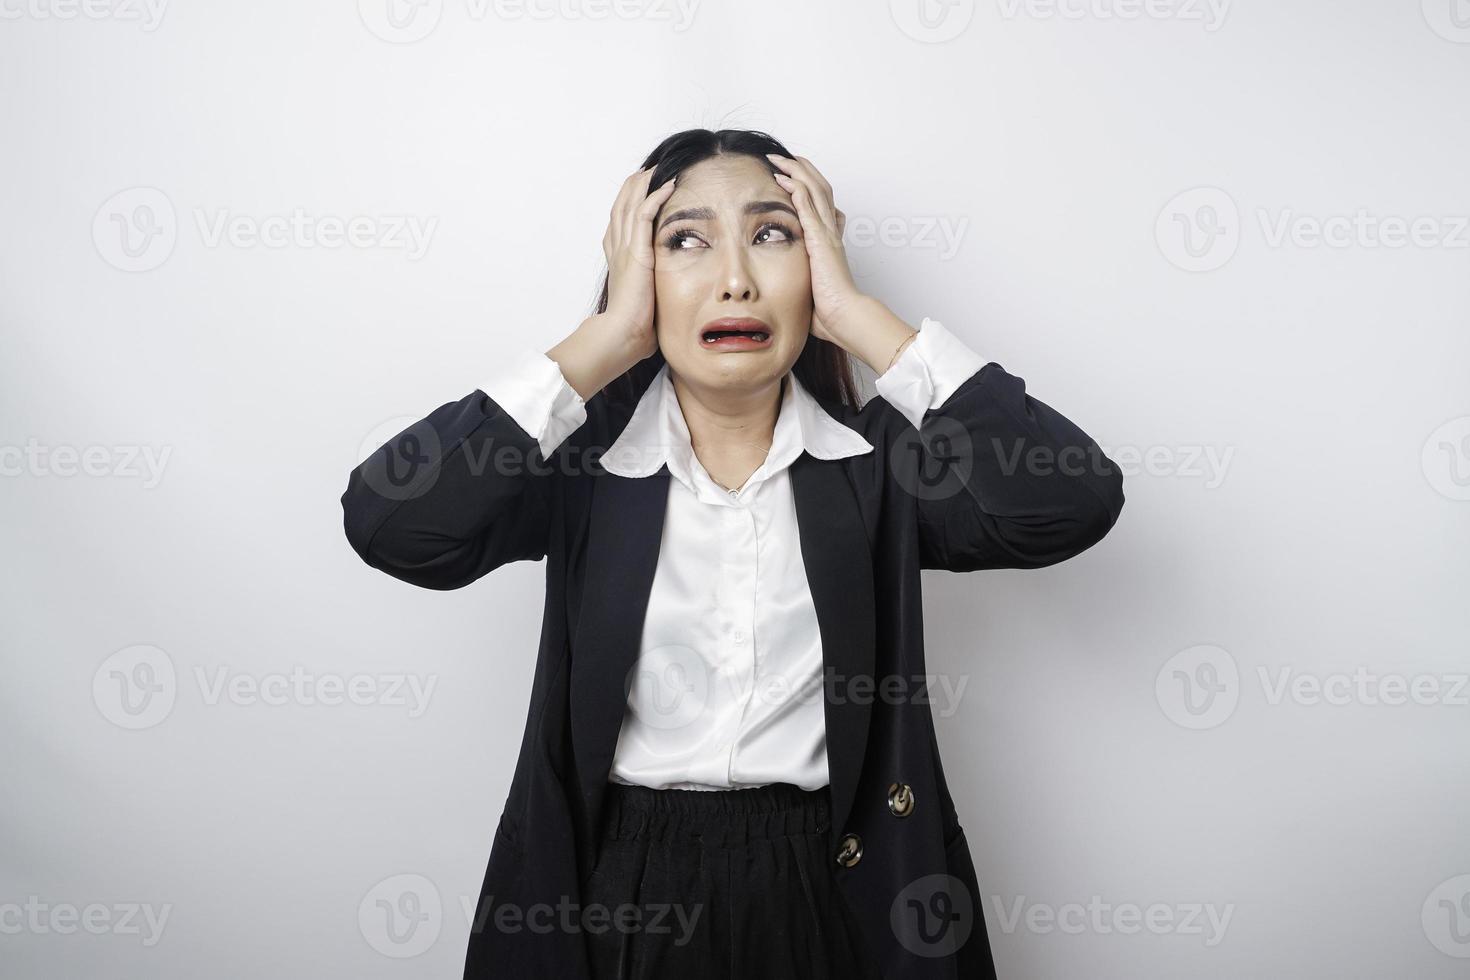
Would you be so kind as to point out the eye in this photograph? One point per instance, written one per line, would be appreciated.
(786, 234)
(676, 237)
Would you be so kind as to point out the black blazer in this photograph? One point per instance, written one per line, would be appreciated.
(997, 479)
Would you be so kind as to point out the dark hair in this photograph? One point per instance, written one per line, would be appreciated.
(823, 368)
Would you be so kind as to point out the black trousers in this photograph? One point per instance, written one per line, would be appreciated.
(720, 885)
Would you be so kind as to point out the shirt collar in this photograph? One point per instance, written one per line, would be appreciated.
(657, 435)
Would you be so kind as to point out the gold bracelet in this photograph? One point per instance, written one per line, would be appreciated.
(901, 346)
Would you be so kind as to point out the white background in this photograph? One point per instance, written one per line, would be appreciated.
(1065, 144)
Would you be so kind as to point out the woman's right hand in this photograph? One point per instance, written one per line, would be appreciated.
(628, 245)
(611, 342)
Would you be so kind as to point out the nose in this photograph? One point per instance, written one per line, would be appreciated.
(736, 281)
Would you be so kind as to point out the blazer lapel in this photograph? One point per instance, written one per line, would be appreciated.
(839, 572)
(625, 530)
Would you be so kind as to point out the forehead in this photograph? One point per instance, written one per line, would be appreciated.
(722, 182)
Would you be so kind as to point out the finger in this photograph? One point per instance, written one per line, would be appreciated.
(642, 207)
(648, 213)
(615, 213)
(626, 206)
(814, 228)
(816, 175)
(625, 190)
(820, 201)
(803, 169)
(654, 201)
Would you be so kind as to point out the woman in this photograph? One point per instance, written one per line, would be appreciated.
(729, 766)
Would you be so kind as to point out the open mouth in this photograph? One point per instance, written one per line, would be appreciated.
(711, 336)
(742, 334)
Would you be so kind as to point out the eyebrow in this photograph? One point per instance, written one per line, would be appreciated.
(708, 214)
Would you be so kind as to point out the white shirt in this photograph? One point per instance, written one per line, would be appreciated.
(728, 683)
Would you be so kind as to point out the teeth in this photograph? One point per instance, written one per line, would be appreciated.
(716, 334)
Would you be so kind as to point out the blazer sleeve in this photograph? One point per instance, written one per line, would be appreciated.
(468, 488)
(1002, 479)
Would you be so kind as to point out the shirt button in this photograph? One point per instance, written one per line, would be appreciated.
(739, 637)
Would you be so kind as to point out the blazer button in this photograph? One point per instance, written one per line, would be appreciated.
(901, 799)
(851, 851)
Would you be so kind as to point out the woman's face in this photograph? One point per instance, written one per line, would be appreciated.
(727, 243)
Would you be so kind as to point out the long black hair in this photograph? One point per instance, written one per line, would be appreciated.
(823, 368)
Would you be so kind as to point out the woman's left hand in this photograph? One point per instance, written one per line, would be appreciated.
(822, 224)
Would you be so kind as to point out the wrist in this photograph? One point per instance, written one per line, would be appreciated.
(873, 333)
(595, 354)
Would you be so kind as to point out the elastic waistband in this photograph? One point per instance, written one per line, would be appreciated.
(720, 817)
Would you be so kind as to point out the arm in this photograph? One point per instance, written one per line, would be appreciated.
(1001, 479)
(469, 488)
(463, 491)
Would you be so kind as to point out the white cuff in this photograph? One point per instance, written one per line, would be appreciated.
(532, 390)
(928, 372)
